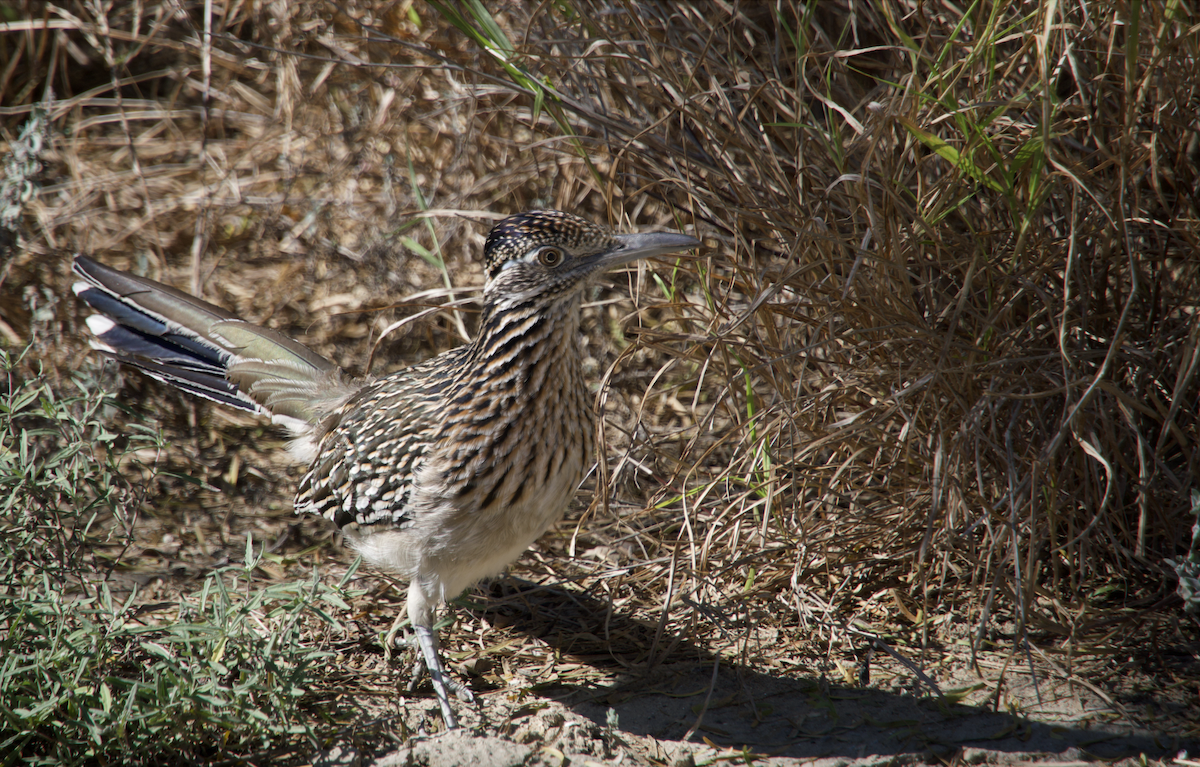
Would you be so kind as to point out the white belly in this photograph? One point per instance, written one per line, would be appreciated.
(446, 549)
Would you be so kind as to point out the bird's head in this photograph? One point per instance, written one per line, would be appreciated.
(549, 252)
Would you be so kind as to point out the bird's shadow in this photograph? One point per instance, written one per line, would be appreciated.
(688, 692)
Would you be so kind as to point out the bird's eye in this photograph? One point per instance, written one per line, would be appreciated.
(550, 256)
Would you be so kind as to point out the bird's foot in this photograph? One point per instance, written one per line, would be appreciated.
(393, 637)
(460, 689)
(429, 661)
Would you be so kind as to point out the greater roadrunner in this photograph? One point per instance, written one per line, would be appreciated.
(444, 472)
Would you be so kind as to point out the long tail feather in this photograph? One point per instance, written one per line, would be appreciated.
(205, 350)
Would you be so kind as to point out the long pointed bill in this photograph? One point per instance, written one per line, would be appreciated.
(631, 247)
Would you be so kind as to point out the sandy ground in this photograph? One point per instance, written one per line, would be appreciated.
(689, 716)
(1003, 708)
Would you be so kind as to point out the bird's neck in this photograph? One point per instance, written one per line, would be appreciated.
(529, 335)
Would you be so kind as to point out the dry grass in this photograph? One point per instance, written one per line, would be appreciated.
(933, 376)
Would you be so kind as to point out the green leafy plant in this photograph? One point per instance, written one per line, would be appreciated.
(91, 675)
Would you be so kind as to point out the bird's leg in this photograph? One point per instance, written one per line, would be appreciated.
(460, 690)
(437, 674)
(428, 643)
(421, 611)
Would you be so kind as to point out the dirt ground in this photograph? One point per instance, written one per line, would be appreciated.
(685, 714)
